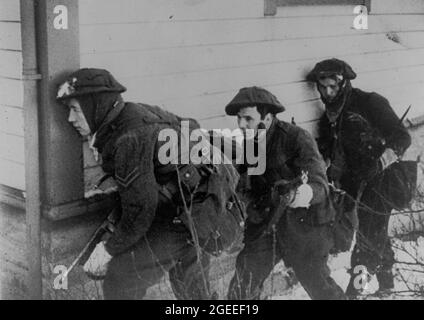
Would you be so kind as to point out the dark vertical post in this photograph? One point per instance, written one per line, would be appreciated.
(60, 146)
(53, 152)
(30, 77)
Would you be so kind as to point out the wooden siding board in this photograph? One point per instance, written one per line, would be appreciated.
(178, 94)
(12, 148)
(179, 60)
(10, 10)
(11, 120)
(10, 64)
(398, 7)
(191, 33)
(10, 35)
(11, 92)
(104, 11)
(12, 174)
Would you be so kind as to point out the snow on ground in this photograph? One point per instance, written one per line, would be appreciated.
(407, 276)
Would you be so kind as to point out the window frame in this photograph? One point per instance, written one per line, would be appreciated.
(272, 5)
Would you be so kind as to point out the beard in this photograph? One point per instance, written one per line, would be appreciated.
(339, 101)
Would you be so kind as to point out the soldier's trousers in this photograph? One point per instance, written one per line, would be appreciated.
(302, 246)
(373, 248)
(165, 248)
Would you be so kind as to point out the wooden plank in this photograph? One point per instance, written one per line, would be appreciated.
(267, 74)
(12, 148)
(11, 120)
(410, 39)
(395, 6)
(191, 33)
(11, 64)
(106, 11)
(401, 101)
(174, 60)
(390, 78)
(12, 174)
(178, 94)
(10, 10)
(11, 92)
(308, 11)
(282, 3)
(10, 35)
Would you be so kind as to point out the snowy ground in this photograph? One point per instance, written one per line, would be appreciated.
(407, 277)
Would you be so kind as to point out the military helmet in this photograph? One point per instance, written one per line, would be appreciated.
(253, 96)
(86, 81)
(331, 67)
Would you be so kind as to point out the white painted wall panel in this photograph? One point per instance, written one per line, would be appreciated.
(11, 92)
(106, 11)
(12, 148)
(134, 37)
(10, 10)
(10, 64)
(10, 35)
(11, 120)
(12, 169)
(12, 174)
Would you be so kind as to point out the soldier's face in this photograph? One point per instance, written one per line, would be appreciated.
(77, 118)
(328, 88)
(250, 118)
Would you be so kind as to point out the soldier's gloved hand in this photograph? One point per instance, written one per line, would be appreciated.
(303, 197)
(387, 158)
(96, 265)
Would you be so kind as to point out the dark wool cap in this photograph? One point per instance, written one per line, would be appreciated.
(331, 67)
(253, 96)
(86, 81)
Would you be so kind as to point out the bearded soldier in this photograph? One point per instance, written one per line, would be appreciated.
(152, 235)
(361, 139)
(286, 220)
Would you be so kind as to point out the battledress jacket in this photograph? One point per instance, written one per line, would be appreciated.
(376, 110)
(128, 143)
(289, 151)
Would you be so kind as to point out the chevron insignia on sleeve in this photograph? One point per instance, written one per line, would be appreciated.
(126, 182)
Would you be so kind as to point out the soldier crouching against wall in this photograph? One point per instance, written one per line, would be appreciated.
(302, 237)
(362, 139)
(150, 237)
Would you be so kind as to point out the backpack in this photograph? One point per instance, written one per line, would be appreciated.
(212, 211)
(204, 193)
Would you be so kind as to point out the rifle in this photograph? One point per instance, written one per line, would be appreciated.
(405, 114)
(107, 226)
(283, 190)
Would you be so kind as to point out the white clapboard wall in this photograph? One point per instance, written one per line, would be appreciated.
(192, 56)
(12, 168)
